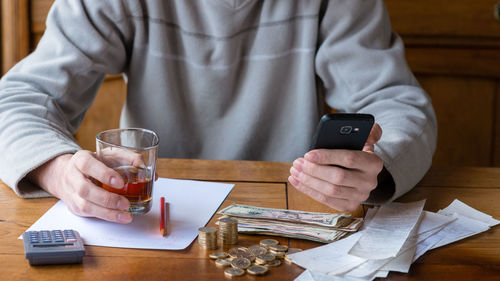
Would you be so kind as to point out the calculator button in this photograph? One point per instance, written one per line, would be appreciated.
(34, 240)
(46, 237)
(58, 236)
(69, 234)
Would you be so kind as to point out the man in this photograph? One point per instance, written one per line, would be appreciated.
(218, 79)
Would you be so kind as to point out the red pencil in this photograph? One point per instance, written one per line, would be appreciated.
(162, 222)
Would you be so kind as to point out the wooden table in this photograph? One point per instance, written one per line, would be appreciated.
(263, 184)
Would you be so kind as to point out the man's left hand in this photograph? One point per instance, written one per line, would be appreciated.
(341, 179)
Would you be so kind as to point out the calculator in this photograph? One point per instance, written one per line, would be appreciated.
(53, 247)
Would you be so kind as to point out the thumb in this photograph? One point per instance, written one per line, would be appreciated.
(375, 135)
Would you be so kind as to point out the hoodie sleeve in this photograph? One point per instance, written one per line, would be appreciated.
(361, 65)
(43, 99)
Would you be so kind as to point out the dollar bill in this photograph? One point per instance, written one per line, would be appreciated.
(316, 237)
(335, 220)
(290, 225)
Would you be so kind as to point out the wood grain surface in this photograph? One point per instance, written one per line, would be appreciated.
(262, 184)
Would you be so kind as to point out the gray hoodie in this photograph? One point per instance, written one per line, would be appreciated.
(216, 79)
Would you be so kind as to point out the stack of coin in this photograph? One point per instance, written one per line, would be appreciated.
(278, 251)
(228, 229)
(207, 238)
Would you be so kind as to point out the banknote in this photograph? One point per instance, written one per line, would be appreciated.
(292, 225)
(335, 220)
(314, 226)
(317, 237)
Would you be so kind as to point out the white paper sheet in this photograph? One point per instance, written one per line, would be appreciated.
(305, 276)
(191, 205)
(433, 230)
(333, 258)
(426, 244)
(370, 267)
(330, 258)
(458, 229)
(461, 208)
(462, 228)
(431, 221)
(309, 275)
(429, 224)
(388, 230)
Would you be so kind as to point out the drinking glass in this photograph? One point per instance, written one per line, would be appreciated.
(132, 152)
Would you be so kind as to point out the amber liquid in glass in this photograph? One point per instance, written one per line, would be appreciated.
(138, 186)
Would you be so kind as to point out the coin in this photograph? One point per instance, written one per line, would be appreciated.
(223, 262)
(227, 219)
(218, 255)
(207, 229)
(241, 263)
(278, 255)
(237, 252)
(264, 258)
(274, 263)
(207, 238)
(278, 248)
(257, 250)
(230, 272)
(268, 242)
(248, 256)
(257, 270)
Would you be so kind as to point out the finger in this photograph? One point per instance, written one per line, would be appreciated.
(86, 208)
(86, 189)
(114, 156)
(90, 166)
(352, 159)
(369, 148)
(334, 175)
(335, 203)
(328, 189)
(375, 134)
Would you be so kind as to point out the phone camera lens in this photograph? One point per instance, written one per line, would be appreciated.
(345, 130)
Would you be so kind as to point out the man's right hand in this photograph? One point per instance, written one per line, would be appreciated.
(69, 178)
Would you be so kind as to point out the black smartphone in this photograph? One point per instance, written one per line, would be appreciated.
(343, 131)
